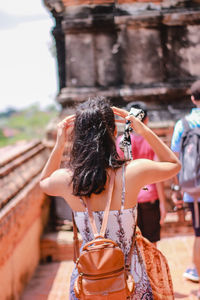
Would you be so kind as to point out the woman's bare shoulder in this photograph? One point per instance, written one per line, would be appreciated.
(138, 170)
(57, 183)
(63, 174)
(136, 164)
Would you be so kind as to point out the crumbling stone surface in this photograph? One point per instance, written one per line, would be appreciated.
(24, 211)
(129, 50)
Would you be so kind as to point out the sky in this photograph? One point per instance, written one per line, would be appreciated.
(28, 71)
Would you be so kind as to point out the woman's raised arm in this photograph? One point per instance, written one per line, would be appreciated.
(49, 186)
(168, 165)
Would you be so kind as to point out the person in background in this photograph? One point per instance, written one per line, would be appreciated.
(193, 272)
(151, 200)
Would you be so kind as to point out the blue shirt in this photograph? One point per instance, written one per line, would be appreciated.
(194, 121)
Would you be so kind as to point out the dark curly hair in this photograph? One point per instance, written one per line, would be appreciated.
(93, 149)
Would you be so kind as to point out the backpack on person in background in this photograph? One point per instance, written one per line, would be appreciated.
(189, 175)
(103, 272)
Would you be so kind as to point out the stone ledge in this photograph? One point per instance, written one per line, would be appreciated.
(57, 246)
(139, 3)
(19, 160)
(9, 153)
(154, 18)
(136, 19)
(173, 226)
(18, 167)
(75, 94)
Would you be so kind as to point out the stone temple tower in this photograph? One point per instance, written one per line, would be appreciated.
(127, 50)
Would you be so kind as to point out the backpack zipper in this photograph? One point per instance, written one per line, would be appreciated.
(102, 274)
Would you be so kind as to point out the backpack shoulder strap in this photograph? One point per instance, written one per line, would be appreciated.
(123, 187)
(185, 124)
(129, 256)
(75, 240)
(106, 212)
(104, 224)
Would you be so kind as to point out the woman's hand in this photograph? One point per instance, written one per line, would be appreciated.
(136, 124)
(120, 112)
(62, 128)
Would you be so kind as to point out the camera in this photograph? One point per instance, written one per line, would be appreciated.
(137, 113)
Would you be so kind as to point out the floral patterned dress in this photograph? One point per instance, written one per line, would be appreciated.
(120, 228)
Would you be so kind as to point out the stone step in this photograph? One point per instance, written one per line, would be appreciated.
(57, 246)
(177, 223)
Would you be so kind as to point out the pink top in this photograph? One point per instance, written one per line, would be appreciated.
(141, 149)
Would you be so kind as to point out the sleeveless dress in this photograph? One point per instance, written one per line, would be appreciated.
(120, 228)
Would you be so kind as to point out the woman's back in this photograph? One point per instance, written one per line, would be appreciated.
(98, 201)
(121, 221)
(120, 227)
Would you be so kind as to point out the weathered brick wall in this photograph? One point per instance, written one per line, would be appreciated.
(18, 216)
(23, 215)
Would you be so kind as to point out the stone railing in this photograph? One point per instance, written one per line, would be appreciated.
(18, 165)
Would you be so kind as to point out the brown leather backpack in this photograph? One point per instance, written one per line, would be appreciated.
(103, 273)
